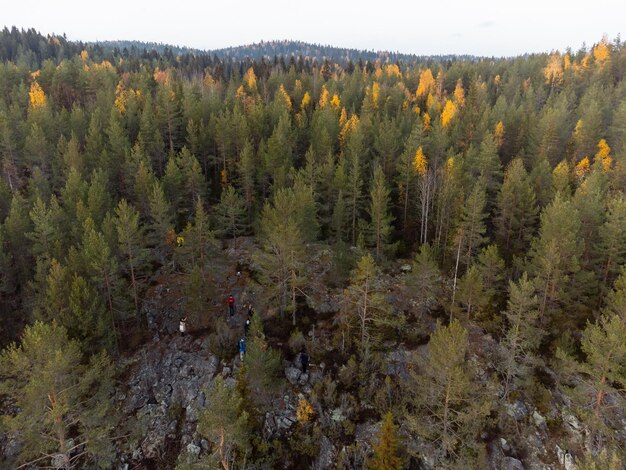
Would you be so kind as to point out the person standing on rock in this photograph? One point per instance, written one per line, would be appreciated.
(246, 326)
(231, 305)
(304, 361)
(242, 348)
(250, 310)
(182, 326)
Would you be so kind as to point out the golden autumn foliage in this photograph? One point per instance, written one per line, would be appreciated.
(121, 97)
(392, 70)
(430, 101)
(304, 411)
(499, 134)
(567, 62)
(241, 93)
(306, 101)
(426, 119)
(324, 97)
(249, 79)
(37, 96)
(335, 102)
(449, 165)
(602, 51)
(582, 168)
(459, 93)
(375, 94)
(449, 111)
(343, 117)
(378, 72)
(283, 96)
(161, 76)
(426, 84)
(497, 80)
(84, 55)
(419, 162)
(604, 155)
(209, 82)
(349, 126)
(553, 71)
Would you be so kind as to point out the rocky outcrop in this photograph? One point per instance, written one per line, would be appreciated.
(164, 391)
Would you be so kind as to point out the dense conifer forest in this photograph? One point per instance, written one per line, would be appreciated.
(430, 252)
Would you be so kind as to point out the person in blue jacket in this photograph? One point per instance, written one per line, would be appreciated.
(242, 348)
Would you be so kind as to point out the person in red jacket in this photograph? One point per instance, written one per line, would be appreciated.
(231, 305)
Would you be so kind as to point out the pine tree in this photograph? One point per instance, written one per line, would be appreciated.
(281, 259)
(381, 219)
(522, 335)
(595, 384)
(425, 280)
(65, 416)
(386, 449)
(449, 405)
(471, 297)
(365, 313)
(225, 424)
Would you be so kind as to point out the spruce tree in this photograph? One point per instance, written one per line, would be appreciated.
(132, 247)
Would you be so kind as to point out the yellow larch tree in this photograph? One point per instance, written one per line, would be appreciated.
(426, 84)
(249, 79)
(430, 101)
(582, 168)
(343, 117)
(84, 55)
(349, 126)
(449, 111)
(306, 101)
(335, 102)
(498, 134)
(283, 96)
(37, 96)
(602, 51)
(604, 155)
(392, 70)
(121, 97)
(375, 94)
(426, 119)
(449, 165)
(553, 71)
(567, 62)
(420, 164)
(459, 93)
(324, 97)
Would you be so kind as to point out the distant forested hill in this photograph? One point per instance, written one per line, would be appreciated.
(32, 48)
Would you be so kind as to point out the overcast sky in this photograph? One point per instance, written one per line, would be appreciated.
(481, 27)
